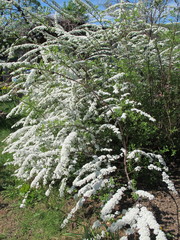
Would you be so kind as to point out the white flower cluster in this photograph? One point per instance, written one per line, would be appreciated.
(137, 154)
(144, 194)
(117, 76)
(152, 166)
(70, 105)
(61, 168)
(113, 128)
(141, 220)
(144, 114)
(110, 205)
(23, 204)
(5, 97)
(169, 183)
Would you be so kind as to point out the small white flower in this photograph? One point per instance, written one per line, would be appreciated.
(123, 116)
(137, 169)
(96, 224)
(22, 205)
(144, 194)
(47, 193)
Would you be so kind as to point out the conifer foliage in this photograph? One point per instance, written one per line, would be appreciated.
(81, 127)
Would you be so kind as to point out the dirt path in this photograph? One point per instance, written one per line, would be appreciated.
(166, 209)
(8, 220)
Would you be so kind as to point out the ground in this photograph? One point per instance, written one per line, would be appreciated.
(164, 206)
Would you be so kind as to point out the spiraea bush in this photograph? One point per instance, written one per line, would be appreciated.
(85, 125)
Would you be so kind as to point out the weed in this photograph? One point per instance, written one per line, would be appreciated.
(2, 236)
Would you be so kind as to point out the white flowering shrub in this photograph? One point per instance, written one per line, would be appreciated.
(81, 127)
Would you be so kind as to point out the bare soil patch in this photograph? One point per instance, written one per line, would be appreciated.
(8, 219)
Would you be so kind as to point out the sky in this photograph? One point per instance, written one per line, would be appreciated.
(101, 2)
(60, 2)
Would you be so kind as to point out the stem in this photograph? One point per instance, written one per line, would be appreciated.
(125, 163)
(124, 142)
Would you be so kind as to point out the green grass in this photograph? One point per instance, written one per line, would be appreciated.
(5, 129)
(41, 221)
(5, 172)
(4, 132)
(38, 222)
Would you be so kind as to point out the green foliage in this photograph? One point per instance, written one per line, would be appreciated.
(74, 10)
(34, 195)
(85, 123)
(6, 179)
(3, 236)
(5, 173)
